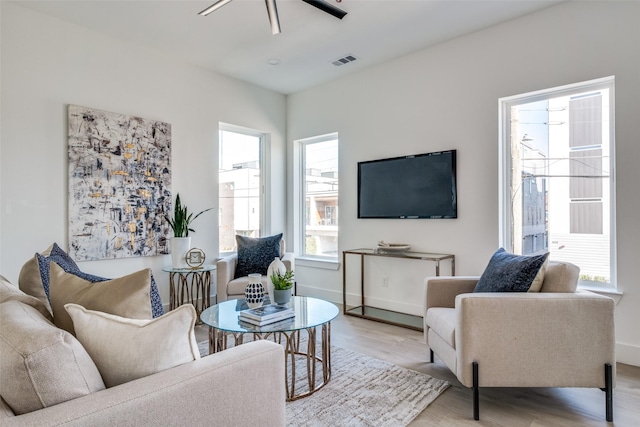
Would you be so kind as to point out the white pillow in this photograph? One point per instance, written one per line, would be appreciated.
(126, 349)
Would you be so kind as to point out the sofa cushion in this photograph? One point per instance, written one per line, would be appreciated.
(41, 364)
(255, 254)
(30, 279)
(443, 322)
(126, 349)
(510, 273)
(126, 296)
(34, 277)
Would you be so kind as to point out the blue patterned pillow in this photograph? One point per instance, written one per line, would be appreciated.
(63, 259)
(255, 254)
(510, 273)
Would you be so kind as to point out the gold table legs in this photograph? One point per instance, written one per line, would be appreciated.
(190, 287)
(317, 361)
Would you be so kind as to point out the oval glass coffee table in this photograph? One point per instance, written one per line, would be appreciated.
(298, 335)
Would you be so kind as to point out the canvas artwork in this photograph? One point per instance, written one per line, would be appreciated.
(119, 185)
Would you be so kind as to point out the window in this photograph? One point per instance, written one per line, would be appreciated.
(240, 180)
(556, 177)
(318, 201)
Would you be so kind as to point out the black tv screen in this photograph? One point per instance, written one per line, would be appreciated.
(418, 186)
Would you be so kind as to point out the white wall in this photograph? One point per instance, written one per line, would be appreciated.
(48, 64)
(446, 97)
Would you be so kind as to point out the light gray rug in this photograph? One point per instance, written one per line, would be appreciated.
(363, 391)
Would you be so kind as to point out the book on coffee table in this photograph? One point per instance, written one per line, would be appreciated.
(266, 314)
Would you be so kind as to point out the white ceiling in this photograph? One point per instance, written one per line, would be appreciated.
(236, 40)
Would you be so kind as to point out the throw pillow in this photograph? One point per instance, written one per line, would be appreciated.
(61, 258)
(126, 296)
(126, 349)
(255, 254)
(10, 292)
(41, 365)
(510, 273)
(30, 279)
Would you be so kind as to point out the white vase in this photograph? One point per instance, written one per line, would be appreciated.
(179, 248)
(276, 265)
(254, 292)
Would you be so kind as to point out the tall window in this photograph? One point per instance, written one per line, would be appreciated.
(556, 181)
(319, 196)
(240, 178)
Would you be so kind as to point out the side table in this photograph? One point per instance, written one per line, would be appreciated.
(190, 285)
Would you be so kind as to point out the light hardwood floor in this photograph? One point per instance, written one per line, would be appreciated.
(508, 407)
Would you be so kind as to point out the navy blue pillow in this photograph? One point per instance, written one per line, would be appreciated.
(255, 254)
(63, 259)
(510, 273)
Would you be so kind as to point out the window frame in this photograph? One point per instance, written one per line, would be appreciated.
(505, 164)
(300, 203)
(265, 175)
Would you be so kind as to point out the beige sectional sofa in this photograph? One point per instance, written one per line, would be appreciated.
(47, 379)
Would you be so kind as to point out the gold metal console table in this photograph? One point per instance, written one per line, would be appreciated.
(379, 314)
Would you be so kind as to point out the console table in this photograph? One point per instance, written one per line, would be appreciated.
(379, 314)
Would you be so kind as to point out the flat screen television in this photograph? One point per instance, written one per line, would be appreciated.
(417, 186)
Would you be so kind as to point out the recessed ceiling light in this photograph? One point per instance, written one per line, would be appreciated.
(274, 61)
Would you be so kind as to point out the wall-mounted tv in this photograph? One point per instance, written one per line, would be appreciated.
(417, 186)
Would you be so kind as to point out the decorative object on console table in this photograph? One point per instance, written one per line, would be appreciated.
(254, 292)
(393, 247)
(282, 284)
(276, 265)
(189, 285)
(181, 242)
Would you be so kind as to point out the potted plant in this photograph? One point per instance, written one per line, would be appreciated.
(181, 226)
(282, 284)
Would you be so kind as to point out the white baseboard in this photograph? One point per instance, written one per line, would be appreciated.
(628, 354)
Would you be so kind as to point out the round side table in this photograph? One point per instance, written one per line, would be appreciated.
(190, 285)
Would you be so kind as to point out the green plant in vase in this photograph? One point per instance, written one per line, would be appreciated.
(282, 284)
(181, 226)
(182, 219)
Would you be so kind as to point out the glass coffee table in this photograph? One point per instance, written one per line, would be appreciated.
(298, 335)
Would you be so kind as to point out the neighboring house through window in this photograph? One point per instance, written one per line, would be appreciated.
(318, 200)
(241, 183)
(557, 177)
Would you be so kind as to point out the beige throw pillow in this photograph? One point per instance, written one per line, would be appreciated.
(30, 280)
(536, 285)
(126, 349)
(41, 365)
(126, 296)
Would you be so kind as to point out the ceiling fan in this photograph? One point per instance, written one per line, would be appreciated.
(272, 11)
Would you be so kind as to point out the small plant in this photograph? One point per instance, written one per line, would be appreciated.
(182, 219)
(281, 281)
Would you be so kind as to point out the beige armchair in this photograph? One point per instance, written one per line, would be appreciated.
(229, 288)
(558, 337)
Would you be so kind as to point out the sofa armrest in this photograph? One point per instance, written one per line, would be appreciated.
(214, 390)
(512, 335)
(441, 291)
(225, 272)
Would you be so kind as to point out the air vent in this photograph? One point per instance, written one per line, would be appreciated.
(344, 60)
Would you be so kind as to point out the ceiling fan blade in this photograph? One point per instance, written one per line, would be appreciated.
(326, 7)
(215, 6)
(272, 11)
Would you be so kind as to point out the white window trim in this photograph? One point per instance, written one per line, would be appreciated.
(265, 174)
(325, 262)
(504, 159)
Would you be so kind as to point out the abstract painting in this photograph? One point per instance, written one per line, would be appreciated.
(119, 185)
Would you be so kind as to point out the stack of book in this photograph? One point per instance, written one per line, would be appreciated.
(266, 314)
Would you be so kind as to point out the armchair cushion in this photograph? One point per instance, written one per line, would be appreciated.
(127, 349)
(512, 273)
(255, 254)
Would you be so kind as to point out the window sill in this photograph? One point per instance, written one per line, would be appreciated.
(317, 263)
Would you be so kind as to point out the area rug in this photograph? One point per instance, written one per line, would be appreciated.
(363, 392)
